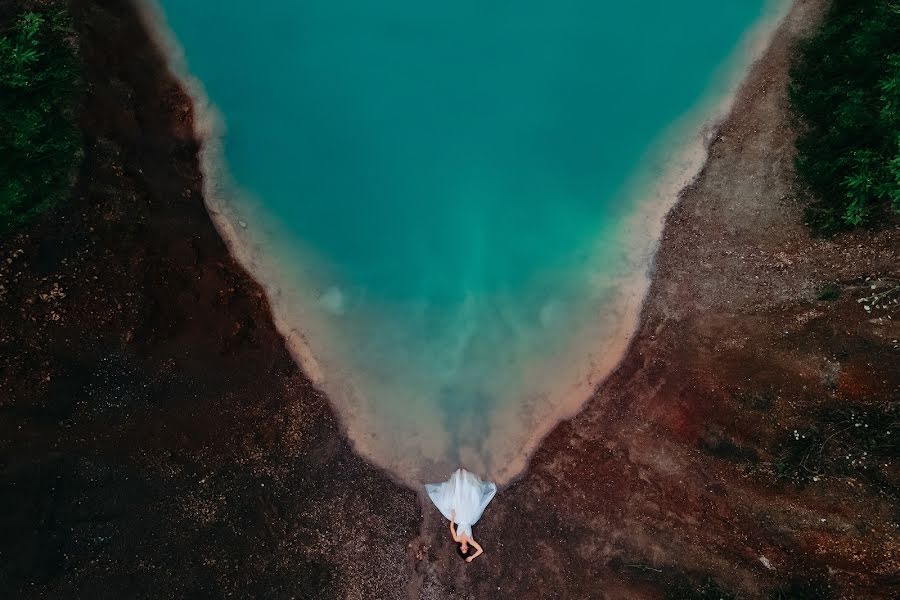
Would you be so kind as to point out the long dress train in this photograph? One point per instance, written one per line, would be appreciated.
(466, 494)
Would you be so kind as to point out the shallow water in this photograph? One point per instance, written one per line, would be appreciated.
(444, 200)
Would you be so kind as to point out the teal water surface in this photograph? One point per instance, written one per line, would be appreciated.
(439, 190)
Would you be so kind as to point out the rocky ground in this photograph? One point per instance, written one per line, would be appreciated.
(156, 440)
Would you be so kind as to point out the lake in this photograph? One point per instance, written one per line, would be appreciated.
(453, 207)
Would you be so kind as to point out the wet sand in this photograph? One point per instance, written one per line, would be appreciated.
(158, 441)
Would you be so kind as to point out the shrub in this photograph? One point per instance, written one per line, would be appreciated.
(40, 144)
(846, 91)
(830, 292)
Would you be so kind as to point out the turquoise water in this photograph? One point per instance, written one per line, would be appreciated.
(436, 194)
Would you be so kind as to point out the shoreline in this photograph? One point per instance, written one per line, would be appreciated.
(680, 171)
(677, 171)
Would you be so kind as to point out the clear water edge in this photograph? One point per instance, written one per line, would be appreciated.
(242, 224)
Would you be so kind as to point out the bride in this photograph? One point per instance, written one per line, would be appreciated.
(462, 499)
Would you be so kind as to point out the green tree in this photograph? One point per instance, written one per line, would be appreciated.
(846, 91)
(40, 144)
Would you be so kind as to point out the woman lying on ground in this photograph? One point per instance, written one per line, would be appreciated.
(462, 499)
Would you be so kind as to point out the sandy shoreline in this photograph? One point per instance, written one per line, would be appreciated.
(511, 442)
(646, 225)
(158, 440)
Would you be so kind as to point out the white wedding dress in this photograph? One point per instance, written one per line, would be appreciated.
(464, 493)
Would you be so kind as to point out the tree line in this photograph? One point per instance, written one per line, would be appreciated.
(846, 91)
(40, 142)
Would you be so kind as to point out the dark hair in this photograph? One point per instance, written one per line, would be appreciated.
(464, 554)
